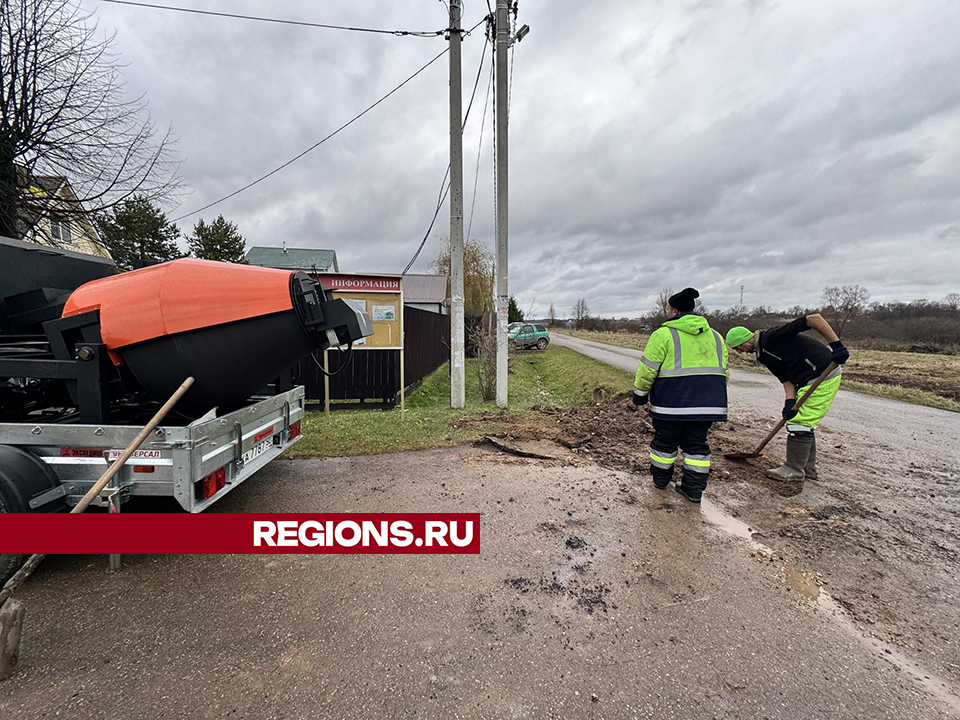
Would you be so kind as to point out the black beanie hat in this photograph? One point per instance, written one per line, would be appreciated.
(684, 300)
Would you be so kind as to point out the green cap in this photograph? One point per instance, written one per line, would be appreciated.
(738, 336)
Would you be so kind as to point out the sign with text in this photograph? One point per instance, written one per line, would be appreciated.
(359, 283)
(242, 533)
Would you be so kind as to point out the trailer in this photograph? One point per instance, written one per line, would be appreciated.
(48, 467)
(82, 368)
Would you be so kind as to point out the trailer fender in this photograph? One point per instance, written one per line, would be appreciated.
(24, 476)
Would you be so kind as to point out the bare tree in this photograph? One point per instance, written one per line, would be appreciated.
(842, 304)
(552, 315)
(581, 313)
(952, 301)
(658, 313)
(63, 115)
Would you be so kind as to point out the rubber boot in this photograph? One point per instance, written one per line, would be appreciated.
(685, 492)
(661, 477)
(798, 453)
(692, 484)
(810, 469)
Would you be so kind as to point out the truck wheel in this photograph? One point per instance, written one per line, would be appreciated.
(542, 344)
(23, 476)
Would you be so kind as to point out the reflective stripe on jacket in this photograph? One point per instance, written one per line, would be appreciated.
(685, 368)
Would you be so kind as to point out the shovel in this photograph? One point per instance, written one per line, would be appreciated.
(756, 453)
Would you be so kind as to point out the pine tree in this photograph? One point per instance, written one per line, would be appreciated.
(514, 313)
(220, 240)
(137, 232)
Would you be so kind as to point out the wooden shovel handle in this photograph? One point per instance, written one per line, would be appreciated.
(816, 383)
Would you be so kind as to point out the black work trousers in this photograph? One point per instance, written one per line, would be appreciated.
(691, 437)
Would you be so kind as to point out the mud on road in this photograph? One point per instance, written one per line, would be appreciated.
(881, 535)
(594, 596)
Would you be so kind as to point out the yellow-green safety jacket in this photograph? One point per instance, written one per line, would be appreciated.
(685, 367)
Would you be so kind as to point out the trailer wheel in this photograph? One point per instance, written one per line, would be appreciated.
(9, 564)
(23, 476)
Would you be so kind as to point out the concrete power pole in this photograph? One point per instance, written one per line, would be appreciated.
(457, 394)
(502, 293)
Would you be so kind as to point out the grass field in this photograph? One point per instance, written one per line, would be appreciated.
(921, 379)
(557, 377)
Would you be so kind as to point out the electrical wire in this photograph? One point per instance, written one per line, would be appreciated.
(325, 26)
(445, 185)
(344, 366)
(483, 124)
(315, 145)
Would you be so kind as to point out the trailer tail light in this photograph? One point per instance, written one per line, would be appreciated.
(295, 430)
(143, 468)
(211, 484)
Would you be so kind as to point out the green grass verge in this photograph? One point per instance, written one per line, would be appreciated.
(908, 395)
(557, 377)
(917, 378)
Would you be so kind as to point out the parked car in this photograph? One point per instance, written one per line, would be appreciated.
(527, 335)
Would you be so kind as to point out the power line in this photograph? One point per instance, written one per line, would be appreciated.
(194, 11)
(315, 145)
(476, 179)
(445, 185)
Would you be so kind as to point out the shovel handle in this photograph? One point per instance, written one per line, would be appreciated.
(816, 383)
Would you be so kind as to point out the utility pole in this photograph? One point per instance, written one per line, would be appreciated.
(502, 293)
(457, 385)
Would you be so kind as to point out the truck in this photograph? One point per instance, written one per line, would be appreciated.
(87, 354)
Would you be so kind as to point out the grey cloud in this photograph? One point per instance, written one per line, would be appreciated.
(654, 143)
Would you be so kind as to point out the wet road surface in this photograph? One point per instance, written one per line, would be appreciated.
(594, 596)
(880, 527)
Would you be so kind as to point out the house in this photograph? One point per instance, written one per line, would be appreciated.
(58, 219)
(284, 258)
(426, 292)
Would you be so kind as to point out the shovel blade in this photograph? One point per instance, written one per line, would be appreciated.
(741, 455)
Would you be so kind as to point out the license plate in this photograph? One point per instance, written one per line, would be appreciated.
(257, 450)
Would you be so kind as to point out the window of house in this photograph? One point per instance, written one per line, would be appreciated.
(60, 230)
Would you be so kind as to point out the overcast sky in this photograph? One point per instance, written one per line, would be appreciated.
(779, 145)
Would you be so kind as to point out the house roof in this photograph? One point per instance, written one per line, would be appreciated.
(286, 258)
(424, 288)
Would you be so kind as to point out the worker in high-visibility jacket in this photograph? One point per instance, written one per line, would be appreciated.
(797, 360)
(683, 374)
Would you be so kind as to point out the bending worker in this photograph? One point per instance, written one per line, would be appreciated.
(797, 360)
(683, 373)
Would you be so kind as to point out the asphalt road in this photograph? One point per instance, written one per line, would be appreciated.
(594, 596)
(909, 430)
(881, 526)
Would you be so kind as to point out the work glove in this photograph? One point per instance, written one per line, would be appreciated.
(840, 354)
(639, 400)
(789, 409)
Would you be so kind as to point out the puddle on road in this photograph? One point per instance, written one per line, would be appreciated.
(806, 586)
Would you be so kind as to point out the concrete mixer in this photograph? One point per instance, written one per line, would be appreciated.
(117, 346)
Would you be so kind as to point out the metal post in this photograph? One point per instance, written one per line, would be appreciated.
(502, 293)
(326, 384)
(457, 382)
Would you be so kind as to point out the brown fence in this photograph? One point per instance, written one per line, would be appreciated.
(426, 343)
(373, 376)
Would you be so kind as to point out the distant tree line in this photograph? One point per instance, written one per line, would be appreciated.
(919, 325)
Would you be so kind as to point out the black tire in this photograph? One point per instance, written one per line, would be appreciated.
(542, 344)
(9, 564)
(23, 476)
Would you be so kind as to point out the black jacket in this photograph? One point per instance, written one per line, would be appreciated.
(790, 355)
